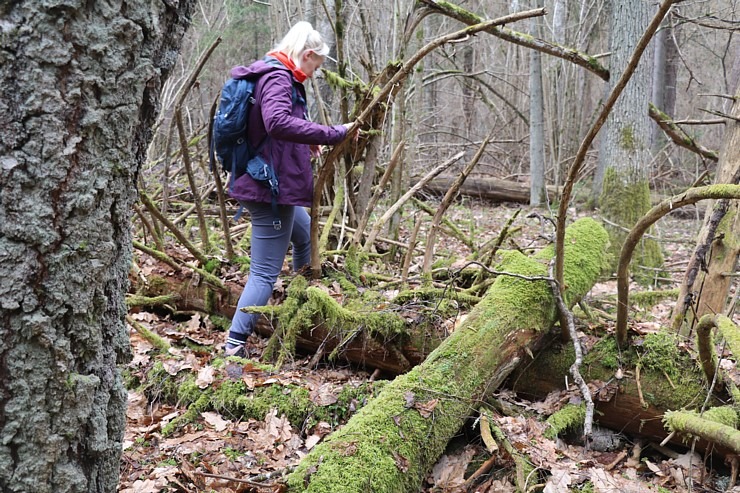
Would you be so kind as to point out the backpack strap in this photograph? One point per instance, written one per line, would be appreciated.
(274, 190)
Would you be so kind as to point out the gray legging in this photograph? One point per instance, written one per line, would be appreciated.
(269, 247)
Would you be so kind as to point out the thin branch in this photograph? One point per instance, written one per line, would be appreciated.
(395, 158)
(173, 229)
(447, 201)
(566, 314)
(678, 136)
(215, 170)
(202, 226)
(385, 96)
(405, 197)
(590, 63)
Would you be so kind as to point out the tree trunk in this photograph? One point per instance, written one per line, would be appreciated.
(537, 193)
(624, 157)
(79, 85)
(390, 445)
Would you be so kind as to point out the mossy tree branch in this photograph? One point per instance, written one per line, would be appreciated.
(707, 356)
(678, 136)
(456, 12)
(691, 196)
(692, 424)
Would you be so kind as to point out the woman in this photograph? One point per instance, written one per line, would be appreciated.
(279, 129)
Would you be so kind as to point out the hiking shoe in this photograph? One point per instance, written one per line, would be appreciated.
(238, 351)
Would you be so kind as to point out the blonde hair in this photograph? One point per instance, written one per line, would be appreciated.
(301, 37)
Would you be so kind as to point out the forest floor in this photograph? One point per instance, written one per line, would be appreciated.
(220, 453)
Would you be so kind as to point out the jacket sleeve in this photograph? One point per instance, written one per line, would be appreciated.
(276, 101)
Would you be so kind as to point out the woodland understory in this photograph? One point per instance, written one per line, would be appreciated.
(199, 423)
(440, 359)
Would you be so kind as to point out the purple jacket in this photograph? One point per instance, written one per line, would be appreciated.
(290, 134)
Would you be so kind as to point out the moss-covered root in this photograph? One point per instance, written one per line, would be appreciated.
(391, 444)
(707, 356)
(569, 417)
(149, 335)
(201, 404)
(691, 424)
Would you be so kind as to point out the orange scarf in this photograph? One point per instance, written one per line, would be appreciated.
(290, 64)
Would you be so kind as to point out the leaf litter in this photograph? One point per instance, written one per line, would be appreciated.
(218, 453)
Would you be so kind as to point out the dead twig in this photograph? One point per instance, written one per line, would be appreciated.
(447, 201)
(271, 486)
(410, 193)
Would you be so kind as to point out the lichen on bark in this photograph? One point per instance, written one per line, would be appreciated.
(79, 85)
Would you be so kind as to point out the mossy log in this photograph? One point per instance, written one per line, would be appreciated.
(634, 388)
(391, 444)
(185, 290)
(186, 293)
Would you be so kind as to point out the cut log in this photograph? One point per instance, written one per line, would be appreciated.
(491, 189)
(392, 443)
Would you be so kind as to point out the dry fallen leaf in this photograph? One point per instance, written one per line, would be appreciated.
(137, 406)
(426, 408)
(324, 395)
(449, 471)
(215, 420)
(402, 463)
(559, 481)
(205, 377)
(312, 441)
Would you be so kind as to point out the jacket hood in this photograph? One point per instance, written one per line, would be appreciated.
(258, 68)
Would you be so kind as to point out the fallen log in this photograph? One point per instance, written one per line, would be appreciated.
(391, 444)
(491, 189)
(182, 290)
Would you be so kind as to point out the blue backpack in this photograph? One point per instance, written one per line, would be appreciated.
(229, 141)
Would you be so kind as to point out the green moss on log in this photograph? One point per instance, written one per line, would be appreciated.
(670, 378)
(570, 417)
(234, 399)
(391, 444)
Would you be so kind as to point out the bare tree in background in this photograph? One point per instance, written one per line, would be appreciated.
(624, 194)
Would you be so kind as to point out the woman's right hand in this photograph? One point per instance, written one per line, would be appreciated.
(353, 129)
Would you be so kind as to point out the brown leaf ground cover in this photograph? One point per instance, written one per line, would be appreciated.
(222, 452)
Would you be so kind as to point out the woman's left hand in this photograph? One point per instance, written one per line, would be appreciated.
(316, 150)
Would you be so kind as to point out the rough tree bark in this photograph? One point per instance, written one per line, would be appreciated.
(390, 444)
(79, 90)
